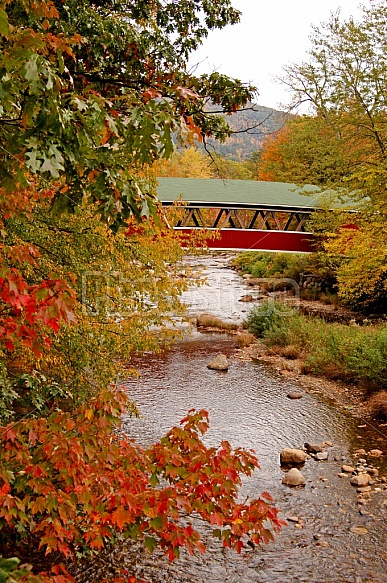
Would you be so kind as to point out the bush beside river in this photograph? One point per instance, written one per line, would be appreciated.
(351, 353)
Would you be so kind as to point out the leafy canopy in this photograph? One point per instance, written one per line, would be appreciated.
(343, 81)
(91, 92)
(91, 95)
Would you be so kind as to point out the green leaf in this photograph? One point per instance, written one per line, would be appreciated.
(31, 69)
(154, 480)
(150, 543)
(32, 162)
(156, 523)
(52, 165)
(4, 24)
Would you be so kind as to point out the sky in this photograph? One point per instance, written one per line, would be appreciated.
(270, 35)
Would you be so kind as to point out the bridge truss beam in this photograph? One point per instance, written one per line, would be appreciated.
(239, 217)
(242, 226)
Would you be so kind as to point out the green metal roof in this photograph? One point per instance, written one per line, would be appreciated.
(250, 192)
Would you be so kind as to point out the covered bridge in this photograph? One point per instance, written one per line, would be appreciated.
(249, 214)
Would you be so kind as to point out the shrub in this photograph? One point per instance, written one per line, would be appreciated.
(244, 261)
(259, 268)
(368, 357)
(337, 351)
(378, 405)
(285, 265)
(265, 316)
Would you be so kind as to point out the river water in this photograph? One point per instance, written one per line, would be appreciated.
(249, 407)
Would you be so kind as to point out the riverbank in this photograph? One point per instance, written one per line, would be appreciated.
(314, 350)
(334, 532)
(352, 398)
(349, 397)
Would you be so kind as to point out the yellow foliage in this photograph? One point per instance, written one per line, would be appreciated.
(189, 163)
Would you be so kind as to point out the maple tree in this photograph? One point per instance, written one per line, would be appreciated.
(91, 96)
(307, 150)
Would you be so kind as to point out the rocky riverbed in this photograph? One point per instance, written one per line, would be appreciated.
(336, 514)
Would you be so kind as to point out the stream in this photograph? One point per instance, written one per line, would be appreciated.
(333, 539)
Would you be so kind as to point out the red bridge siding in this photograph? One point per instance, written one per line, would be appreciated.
(261, 240)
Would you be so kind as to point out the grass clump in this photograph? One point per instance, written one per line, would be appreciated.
(244, 339)
(209, 321)
(378, 405)
(336, 351)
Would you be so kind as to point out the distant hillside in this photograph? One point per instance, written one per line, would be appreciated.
(252, 126)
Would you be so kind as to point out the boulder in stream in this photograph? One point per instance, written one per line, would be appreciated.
(220, 362)
(375, 453)
(290, 456)
(246, 298)
(313, 447)
(360, 480)
(295, 395)
(293, 478)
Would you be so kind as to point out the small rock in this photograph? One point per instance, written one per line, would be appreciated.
(293, 518)
(247, 298)
(375, 453)
(361, 460)
(321, 456)
(348, 469)
(295, 395)
(373, 471)
(360, 480)
(317, 536)
(364, 489)
(322, 543)
(341, 475)
(364, 496)
(313, 447)
(328, 443)
(360, 452)
(292, 456)
(359, 530)
(220, 362)
(293, 478)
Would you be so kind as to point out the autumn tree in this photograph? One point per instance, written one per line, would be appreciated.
(187, 163)
(305, 151)
(91, 95)
(343, 81)
(195, 163)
